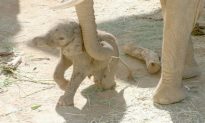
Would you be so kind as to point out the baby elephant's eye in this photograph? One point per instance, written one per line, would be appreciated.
(61, 38)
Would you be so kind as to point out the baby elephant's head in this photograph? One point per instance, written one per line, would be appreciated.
(59, 36)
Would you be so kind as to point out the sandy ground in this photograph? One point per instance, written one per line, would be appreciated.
(32, 86)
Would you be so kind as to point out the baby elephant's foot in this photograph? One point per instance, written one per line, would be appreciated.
(65, 100)
(98, 84)
(63, 86)
(108, 85)
(191, 71)
(168, 94)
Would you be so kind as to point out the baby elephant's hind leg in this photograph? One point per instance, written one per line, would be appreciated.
(68, 98)
(98, 76)
(108, 78)
(60, 69)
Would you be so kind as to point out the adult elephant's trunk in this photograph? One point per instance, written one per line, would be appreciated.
(85, 12)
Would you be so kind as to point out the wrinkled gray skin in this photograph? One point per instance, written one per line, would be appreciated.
(67, 36)
(178, 60)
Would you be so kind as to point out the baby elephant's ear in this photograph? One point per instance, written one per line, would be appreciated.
(39, 42)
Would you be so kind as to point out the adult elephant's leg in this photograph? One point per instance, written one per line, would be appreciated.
(191, 68)
(163, 5)
(179, 19)
(86, 18)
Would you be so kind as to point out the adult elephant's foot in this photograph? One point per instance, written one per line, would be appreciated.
(168, 93)
(191, 71)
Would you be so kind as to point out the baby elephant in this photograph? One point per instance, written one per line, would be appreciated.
(67, 36)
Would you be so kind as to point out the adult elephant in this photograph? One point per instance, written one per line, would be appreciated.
(177, 51)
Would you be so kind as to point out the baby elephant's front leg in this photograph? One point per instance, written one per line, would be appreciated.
(68, 98)
(58, 76)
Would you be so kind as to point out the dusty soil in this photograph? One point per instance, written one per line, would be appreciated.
(30, 94)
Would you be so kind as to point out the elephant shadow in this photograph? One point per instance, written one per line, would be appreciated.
(102, 106)
(9, 25)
